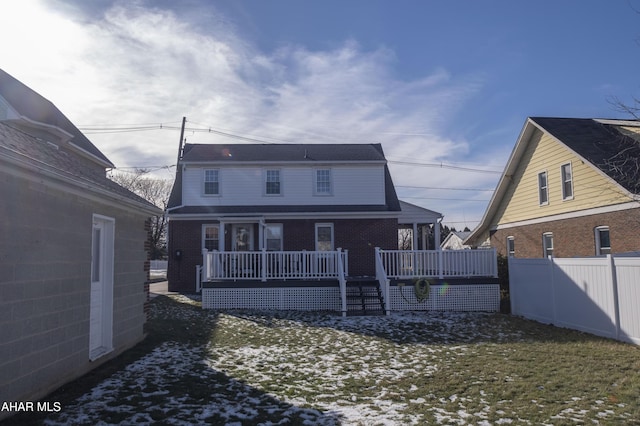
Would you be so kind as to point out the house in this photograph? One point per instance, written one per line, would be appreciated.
(455, 241)
(570, 188)
(284, 197)
(72, 253)
(289, 226)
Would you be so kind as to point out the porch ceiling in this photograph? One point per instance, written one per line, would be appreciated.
(410, 213)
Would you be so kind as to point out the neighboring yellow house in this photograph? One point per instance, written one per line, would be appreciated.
(570, 188)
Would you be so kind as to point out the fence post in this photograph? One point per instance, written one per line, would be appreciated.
(206, 268)
(614, 287)
(552, 272)
(440, 264)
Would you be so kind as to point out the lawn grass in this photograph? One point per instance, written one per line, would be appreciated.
(245, 368)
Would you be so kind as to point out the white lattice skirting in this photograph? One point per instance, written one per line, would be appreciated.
(462, 298)
(465, 298)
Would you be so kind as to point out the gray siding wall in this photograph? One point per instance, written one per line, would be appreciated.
(45, 260)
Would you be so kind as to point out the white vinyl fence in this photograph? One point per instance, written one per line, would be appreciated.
(598, 295)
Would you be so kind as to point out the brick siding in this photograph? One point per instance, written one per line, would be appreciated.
(359, 236)
(573, 237)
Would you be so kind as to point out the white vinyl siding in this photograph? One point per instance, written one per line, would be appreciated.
(244, 186)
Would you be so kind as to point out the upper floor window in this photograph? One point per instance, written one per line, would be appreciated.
(603, 241)
(212, 182)
(511, 247)
(547, 244)
(543, 188)
(567, 181)
(323, 181)
(272, 182)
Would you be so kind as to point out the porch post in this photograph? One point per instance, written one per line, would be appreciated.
(221, 236)
(414, 235)
(263, 268)
(436, 242)
(424, 237)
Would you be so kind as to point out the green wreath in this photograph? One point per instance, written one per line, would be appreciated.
(422, 287)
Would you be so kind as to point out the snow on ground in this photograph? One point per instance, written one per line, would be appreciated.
(304, 368)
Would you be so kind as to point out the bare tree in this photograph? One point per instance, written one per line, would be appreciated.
(157, 192)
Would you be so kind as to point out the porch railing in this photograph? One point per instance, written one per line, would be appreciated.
(439, 263)
(273, 265)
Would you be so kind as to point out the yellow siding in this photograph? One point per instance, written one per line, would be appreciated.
(590, 188)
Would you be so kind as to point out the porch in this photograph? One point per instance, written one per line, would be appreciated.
(319, 280)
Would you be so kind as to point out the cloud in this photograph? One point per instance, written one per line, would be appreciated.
(131, 64)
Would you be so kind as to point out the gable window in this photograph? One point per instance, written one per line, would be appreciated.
(212, 182)
(511, 247)
(603, 241)
(567, 181)
(323, 182)
(211, 237)
(543, 188)
(272, 182)
(547, 244)
(273, 236)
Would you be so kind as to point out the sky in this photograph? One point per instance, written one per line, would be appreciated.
(444, 86)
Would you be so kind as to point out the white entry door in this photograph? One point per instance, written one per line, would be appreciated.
(101, 298)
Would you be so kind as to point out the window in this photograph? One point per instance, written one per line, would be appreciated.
(511, 247)
(324, 236)
(547, 244)
(272, 181)
(273, 236)
(603, 241)
(567, 181)
(211, 237)
(211, 182)
(323, 182)
(543, 189)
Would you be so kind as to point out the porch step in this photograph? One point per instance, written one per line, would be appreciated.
(364, 297)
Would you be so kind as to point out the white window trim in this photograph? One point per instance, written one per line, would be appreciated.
(323, 225)
(264, 181)
(315, 182)
(564, 197)
(596, 232)
(544, 248)
(204, 234)
(280, 225)
(204, 175)
(511, 253)
(546, 188)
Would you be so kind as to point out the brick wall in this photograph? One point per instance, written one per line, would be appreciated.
(360, 237)
(574, 237)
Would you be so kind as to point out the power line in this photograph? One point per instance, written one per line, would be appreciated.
(441, 188)
(443, 166)
(444, 199)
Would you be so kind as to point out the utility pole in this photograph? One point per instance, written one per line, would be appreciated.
(184, 120)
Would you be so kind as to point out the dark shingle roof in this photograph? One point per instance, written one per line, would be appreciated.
(599, 143)
(35, 107)
(282, 152)
(30, 152)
